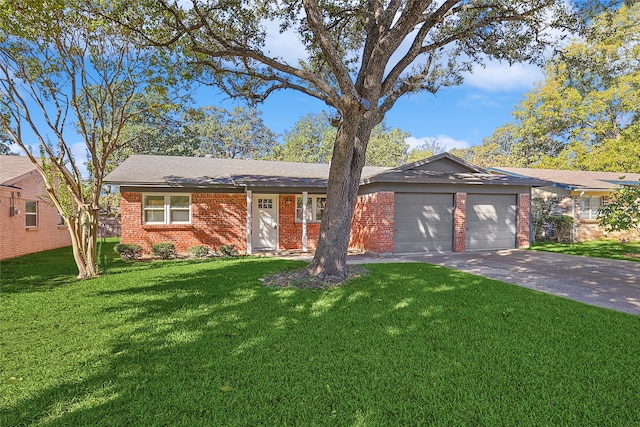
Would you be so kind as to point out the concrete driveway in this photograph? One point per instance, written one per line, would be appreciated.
(601, 282)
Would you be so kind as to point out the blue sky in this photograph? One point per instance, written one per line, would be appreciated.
(458, 117)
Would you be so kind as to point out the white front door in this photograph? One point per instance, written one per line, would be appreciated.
(265, 221)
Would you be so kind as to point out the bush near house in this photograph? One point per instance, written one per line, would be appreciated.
(198, 251)
(228, 250)
(547, 226)
(163, 250)
(128, 251)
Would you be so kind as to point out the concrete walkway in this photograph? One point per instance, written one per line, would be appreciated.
(601, 282)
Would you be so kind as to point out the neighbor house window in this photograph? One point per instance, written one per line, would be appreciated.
(166, 209)
(60, 220)
(31, 214)
(315, 208)
(589, 207)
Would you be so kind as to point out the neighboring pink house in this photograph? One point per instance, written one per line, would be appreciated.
(28, 221)
(438, 204)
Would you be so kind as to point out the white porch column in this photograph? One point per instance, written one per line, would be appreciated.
(304, 221)
(249, 222)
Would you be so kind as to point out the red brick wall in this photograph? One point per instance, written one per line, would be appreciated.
(217, 219)
(372, 226)
(460, 222)
(290, 231)
(523, 220)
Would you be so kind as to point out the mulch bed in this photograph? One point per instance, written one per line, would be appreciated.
(302, 280)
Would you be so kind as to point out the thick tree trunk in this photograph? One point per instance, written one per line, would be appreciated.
(84, 243)
(330, 259)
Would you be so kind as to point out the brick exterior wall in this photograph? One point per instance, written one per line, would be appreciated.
(220, 219)
(290, 231)
(372, 226)
(15, 238)
(523, 221)
(217, 219)
(460, 222)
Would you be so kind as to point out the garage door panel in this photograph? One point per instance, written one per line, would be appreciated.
(491, 221)
(423, 222)
(420, 217)
(428, 232)
(416, 247)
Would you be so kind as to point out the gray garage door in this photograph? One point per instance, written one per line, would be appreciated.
(491, 221)
(423, 222)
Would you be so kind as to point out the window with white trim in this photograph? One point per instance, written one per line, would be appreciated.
(31, 214)
(60, 220)
(166, 209)
(315, 208)
(589, 207)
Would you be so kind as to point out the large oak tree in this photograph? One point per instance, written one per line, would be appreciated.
(362, 57)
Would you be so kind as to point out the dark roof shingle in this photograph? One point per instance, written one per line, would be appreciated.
(204, 171)
(573, 179)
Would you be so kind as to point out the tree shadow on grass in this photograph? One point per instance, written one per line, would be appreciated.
(208, 345)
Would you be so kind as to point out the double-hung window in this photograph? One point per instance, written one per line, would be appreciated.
(166, 209)
(315, 208)
(31, 214)
(589, 207)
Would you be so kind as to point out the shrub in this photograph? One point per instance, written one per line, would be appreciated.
(561, 225)
(163, 250)
(228, 250)
(199, 251)
(128, 251)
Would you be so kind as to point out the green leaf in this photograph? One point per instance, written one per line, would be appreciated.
(227, 388)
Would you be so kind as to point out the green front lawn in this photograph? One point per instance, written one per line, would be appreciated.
(189, 343)
(612, 249)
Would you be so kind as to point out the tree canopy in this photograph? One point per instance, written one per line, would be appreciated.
(312, 137)
(586, 113)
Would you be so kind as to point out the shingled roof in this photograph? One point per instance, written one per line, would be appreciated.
(575, 180)
(13, 168)
(148, 170)
(203, 172)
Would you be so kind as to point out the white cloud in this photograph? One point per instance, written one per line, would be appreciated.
(285, 45)
(445, 140)
(79, 152)
(498, 76)
(15, 148)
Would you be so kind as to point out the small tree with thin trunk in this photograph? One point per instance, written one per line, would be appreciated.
(66, 78)
(362, 57)
(622, 213)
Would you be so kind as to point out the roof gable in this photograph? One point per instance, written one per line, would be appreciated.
(444, 162)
